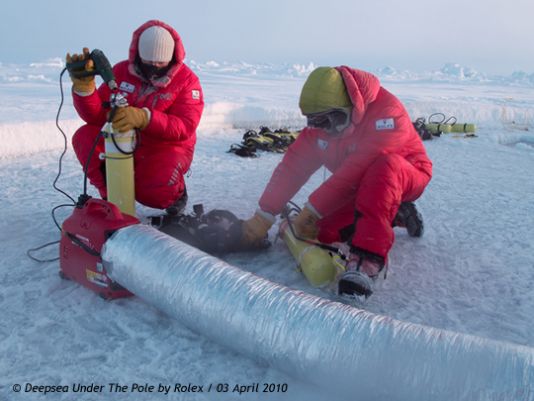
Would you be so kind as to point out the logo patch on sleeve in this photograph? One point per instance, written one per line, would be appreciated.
(385, 123)
(127, 87)
(195, 94)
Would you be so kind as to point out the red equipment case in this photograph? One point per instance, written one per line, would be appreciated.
(82, 236)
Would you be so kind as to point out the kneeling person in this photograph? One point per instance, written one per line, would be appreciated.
(364, 136)
(165, 105)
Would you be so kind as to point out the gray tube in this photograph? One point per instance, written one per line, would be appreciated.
(313, 339)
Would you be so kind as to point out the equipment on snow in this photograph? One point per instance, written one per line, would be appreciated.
(266, 140)
(315, 263)
(328, 265)
(342, 349)
(215, 232)
(435, 128)
(339, 264)
(439, 124)
(320, 263)
(119, 150)
(82, 236)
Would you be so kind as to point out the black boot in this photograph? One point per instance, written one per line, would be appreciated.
(409, 218)
(178, 206)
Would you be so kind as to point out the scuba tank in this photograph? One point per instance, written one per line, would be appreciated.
(119, 147)
(439, 124)
(315, 263)
(436, 128)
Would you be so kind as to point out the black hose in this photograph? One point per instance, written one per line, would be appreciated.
(286, 214)
(54, 184)
(29, 253)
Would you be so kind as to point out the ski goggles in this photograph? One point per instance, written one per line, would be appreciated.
(333, 121)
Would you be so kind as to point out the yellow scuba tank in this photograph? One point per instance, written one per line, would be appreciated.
(316, 264)
(120, 169)
(435, 128)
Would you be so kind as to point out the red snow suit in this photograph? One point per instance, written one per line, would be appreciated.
(166, 146)
(377, 162)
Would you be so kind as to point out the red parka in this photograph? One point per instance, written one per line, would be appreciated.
(380, 126)
(175, 102)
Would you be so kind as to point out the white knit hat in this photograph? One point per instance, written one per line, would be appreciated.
(156, 44)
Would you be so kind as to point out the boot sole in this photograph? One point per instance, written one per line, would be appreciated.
(347, 286)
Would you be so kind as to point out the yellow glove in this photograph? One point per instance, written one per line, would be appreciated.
(85, 85)
(127, 118)
(255, 230)
(305, 224)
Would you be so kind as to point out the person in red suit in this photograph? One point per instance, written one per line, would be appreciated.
(165, 105)
(364, 136)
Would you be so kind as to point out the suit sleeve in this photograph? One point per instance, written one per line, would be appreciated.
(90, 108)
(181, 120)
(299, 163)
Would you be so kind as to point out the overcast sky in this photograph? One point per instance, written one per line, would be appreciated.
(494, 36)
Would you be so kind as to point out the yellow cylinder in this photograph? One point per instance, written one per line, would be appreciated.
(435, 128)
(315, 263)
(463, 128)
(447, 128)
(120, 169)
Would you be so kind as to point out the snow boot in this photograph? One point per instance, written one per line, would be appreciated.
(361, 271)
(409, 218)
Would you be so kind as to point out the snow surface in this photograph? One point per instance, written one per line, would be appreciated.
(472, 271)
